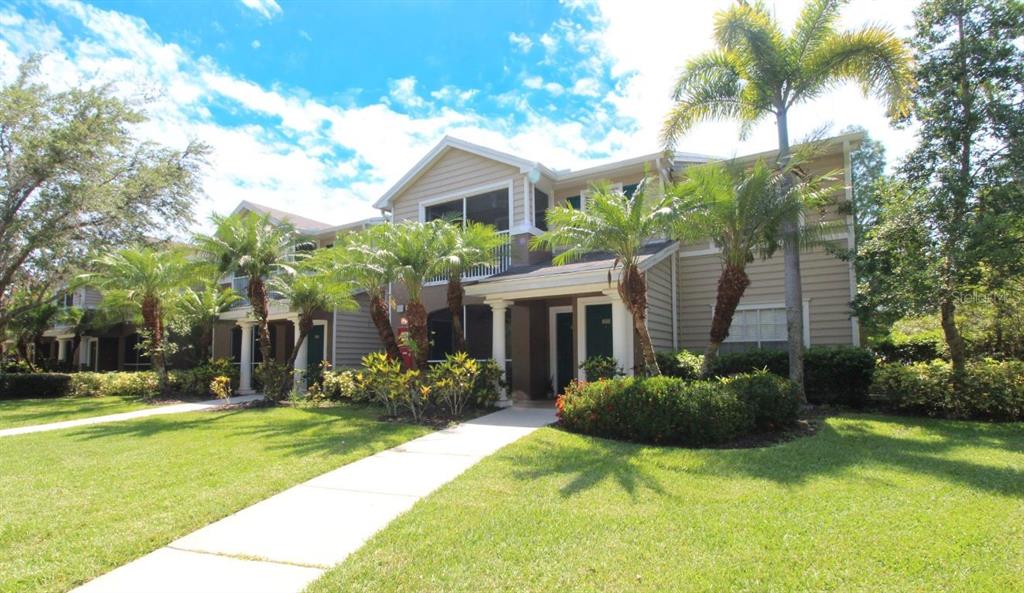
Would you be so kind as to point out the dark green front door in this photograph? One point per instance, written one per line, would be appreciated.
(599, 331)
(315, 347)
(563, 351)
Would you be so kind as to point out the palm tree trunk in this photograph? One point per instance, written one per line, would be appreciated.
(455, 307)
(732, 283)
(154, 325)
(382, 321)
(260, 307)
(633, 290)
(417, 315)
(791, 272)
(305, 325)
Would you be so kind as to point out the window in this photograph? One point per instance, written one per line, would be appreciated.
(761, 327)
(240, 284)
(630, 189)
(540, 209)
(488, 208)
(67, 300)
(574, 201)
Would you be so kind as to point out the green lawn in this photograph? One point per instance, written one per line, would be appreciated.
(79, 502)
(24, 412)
(871, 503)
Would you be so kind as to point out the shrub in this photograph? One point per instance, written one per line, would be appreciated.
(34, 385)
(383, 380)
(270, 379)
(13, 365)
(601, 367)
(683, 364)
(197, 381)
(452, 382)
(659, 410)
(141, 385)
(488, 382)
(990, 389)
(832, 374)
(338, 386)
(772, 399)
(220, 386)
(910, 350)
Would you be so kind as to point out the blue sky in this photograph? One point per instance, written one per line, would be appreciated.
(318, 107)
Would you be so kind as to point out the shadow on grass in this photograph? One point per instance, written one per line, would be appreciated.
(339, 430)
(910, 445)
(592, 463)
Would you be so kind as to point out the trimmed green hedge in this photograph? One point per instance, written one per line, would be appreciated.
(832, 374)
(990, 389)
(671, 411)
(34, 385)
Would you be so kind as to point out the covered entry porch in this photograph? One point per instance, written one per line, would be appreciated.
(553, 330)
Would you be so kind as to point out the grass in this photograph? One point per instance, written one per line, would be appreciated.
(25, 412)
(870, 503)
(79, 502)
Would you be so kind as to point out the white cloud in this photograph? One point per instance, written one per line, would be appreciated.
(549, 42)
(533, 82)
(520, 41)
(587, 87)
(305, 35)
(632, 44)
(268, 9)
(453, 94)
(554, 88)
(403, 91)
(255, 44)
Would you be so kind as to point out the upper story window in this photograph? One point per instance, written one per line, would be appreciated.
(488, 208)
(67, 299)
(540, 209)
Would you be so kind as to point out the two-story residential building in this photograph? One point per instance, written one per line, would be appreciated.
(543, 320)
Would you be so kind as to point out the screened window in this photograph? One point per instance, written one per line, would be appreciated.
(757, 328)
(540, 209)
(488, 208)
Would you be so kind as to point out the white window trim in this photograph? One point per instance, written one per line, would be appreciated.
(468, 193)
(750, 306)
(580, 321)
(553, 341)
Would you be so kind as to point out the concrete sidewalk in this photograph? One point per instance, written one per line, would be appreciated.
(283, 543)
(154, 411)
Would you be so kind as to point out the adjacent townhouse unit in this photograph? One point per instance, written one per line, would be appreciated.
(340, 337)
(543, 320)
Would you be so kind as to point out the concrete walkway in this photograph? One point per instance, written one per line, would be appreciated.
(283, 543)
(154, 411)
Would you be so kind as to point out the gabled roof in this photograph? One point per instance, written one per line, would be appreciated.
(449, 143)
(524, 165)
(300, 222)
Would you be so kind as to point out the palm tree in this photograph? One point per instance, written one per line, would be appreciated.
(620, 225)
(201, 308)
(742, 212)
(258, 249)
(418, 251)
(146, 280)
(307, 292)
(464, 247)
(363, 260)
(758, 71)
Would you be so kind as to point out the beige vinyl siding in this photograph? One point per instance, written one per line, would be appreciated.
(826, 287)
(456, 170)
(575, 187)
(355, 335)
(89, 298)
(659, 304)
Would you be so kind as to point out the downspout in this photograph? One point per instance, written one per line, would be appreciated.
(675, 304)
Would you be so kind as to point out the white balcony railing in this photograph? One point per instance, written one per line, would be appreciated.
(502, 261)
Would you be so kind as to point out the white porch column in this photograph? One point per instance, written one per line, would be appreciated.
(300, 358)
(498, 309)
(622, 332)
(62, 349)
(83, 351)
(245, 368)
